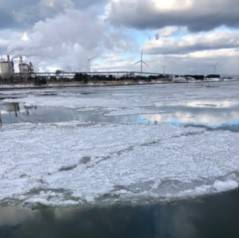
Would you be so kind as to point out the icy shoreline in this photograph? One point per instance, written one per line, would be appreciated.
(109, 83)
(77, 84)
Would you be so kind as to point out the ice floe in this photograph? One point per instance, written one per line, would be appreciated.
(73, 162)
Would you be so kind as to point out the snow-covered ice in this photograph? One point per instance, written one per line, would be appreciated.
(118, 144)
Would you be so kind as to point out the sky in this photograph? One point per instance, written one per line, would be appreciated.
(175, 36)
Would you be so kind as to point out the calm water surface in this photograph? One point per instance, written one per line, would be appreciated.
(207, 217)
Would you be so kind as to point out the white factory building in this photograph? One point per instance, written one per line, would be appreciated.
(7, 67)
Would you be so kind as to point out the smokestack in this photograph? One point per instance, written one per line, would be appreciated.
(8, 58)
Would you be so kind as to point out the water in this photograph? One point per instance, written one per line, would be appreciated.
(140, 161)
(208, 113)
(212, 216)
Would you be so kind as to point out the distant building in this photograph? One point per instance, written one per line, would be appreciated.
(25, 69)
(6, 68)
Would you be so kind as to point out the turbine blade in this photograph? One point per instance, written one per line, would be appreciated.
(145, 64)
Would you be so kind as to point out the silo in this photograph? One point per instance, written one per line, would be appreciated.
(25, 69)
(6, 68)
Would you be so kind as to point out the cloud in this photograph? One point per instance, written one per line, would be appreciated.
(197, 15)
(196, 63)
(67, 40)
(65, 33)
(176, 45)
(24, 13)
(167, 31)
(189, 53)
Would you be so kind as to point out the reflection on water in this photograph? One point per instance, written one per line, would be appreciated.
(215, 216)
(210, 104)
(9, 108)
(210, 114)
(188, 118)
(9, 112)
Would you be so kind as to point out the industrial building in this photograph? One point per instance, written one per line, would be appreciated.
(25, 69)
(7, 68)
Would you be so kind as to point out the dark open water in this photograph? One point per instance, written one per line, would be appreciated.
(216, 216)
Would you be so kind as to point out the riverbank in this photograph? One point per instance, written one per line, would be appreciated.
(64, 84)
(79, 84)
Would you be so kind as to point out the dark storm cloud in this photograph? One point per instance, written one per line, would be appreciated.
(197, 15)
(24, 13)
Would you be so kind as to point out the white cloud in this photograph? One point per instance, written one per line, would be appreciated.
(188, 43)
(65, 33)
(188, 53)
(153, 14)
(168, 31)
(221, 53)
(68, 40)
(172, 5)
(25, 37)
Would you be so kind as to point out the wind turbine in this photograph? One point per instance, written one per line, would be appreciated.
(90, 62)
(141, 62)
(215, 68)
